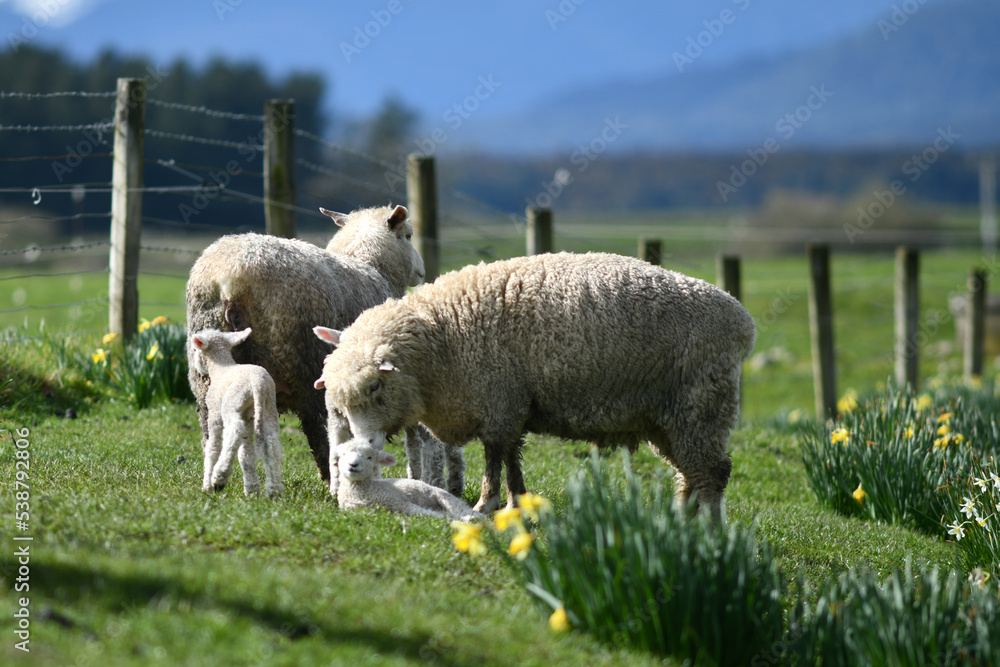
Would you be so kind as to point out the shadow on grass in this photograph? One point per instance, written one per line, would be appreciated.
(121, 593)
(27, 393)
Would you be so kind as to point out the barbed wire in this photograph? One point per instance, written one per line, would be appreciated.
(344, 149)
(178, 251)
(67, 93)
(36, 249)
(58, 334)
(55, 128)
(176, 166)
(29, 158)
(32, 306)
(325, 171)
(163, 275)
(55, 275)
(224, 143)
(204, 110)
(197, 225)
(66, 218)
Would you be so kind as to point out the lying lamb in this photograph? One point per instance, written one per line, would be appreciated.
(238, 393)
(595, 347)
(358, 464)
(281, 288)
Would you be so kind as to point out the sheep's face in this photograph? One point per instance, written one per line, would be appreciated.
(364, 385)
(357, 461)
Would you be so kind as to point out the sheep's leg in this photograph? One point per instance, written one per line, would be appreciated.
(433, 459)
(515, 480)
(414, 452)
(456, 469)
(340, 431)
(314, 426)
(233, 434)
(269, 440)
(489, 495)
(212, 447)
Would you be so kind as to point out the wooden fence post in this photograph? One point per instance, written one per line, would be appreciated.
(421, 194)
(907, 314)
(975, 313)
(651, 251)
(821, 328)
(279, 167)
(126, 208)
(539, 238)
(727, 272)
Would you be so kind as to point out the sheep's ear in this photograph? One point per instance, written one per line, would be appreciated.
(398, 217)
(386, 458)
(319, 384)
(198, 341)
(328, 335)
(387, 365)
(339, 218)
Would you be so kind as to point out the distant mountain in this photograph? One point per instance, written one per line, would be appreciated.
(894, 84)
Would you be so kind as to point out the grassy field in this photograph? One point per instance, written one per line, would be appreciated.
(130, 563)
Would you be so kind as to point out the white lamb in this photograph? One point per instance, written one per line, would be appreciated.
(237, 394)
(358, 463)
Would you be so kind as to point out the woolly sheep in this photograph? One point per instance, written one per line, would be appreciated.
(358, 464)
(241, 405)
(282, 287)
(594, 347)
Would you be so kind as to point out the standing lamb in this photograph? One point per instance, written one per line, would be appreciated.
(358, 464)
(593, 347)
(281, 288)
(238, 394)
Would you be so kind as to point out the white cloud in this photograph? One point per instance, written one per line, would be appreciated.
(55, 13)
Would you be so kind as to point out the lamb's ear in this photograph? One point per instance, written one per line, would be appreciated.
(386, 458)
(237, 337)
(398, 217)
(198, 342)
(319, 384)
(328, 335)
(339, 218)
(387, 365)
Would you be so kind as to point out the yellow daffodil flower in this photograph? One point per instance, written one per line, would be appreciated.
(559, 621)
(154, 352)
(924, 402)
(944, 417)
(839, 435)
(521, 545)
(143, 324)
(510, 516)
(108, 338)
(859, 494)
(532, 504)
(848, 402)
(468, 538)
(944, 429)
(100, 357)
(158, 320)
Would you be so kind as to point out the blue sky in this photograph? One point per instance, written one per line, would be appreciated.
(432, 54)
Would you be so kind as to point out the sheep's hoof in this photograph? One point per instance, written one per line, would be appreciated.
(275, 491)
(487, 505)
(251, 490)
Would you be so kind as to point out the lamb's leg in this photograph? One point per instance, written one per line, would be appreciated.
(456, 470)
(248, 463)
(414, 452)
(269, 439)
(212, 447)
(234, 432)
(489, 495)
(312, 414)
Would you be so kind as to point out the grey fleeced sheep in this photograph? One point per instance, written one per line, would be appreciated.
(358, 464)
(594, 347)
(241, 409)
(281, 288)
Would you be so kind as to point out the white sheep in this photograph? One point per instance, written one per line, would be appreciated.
(594, 347)
(281, 288)
(241, 405)
(358, 463)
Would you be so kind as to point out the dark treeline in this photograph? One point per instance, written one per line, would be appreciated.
(221, 85)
